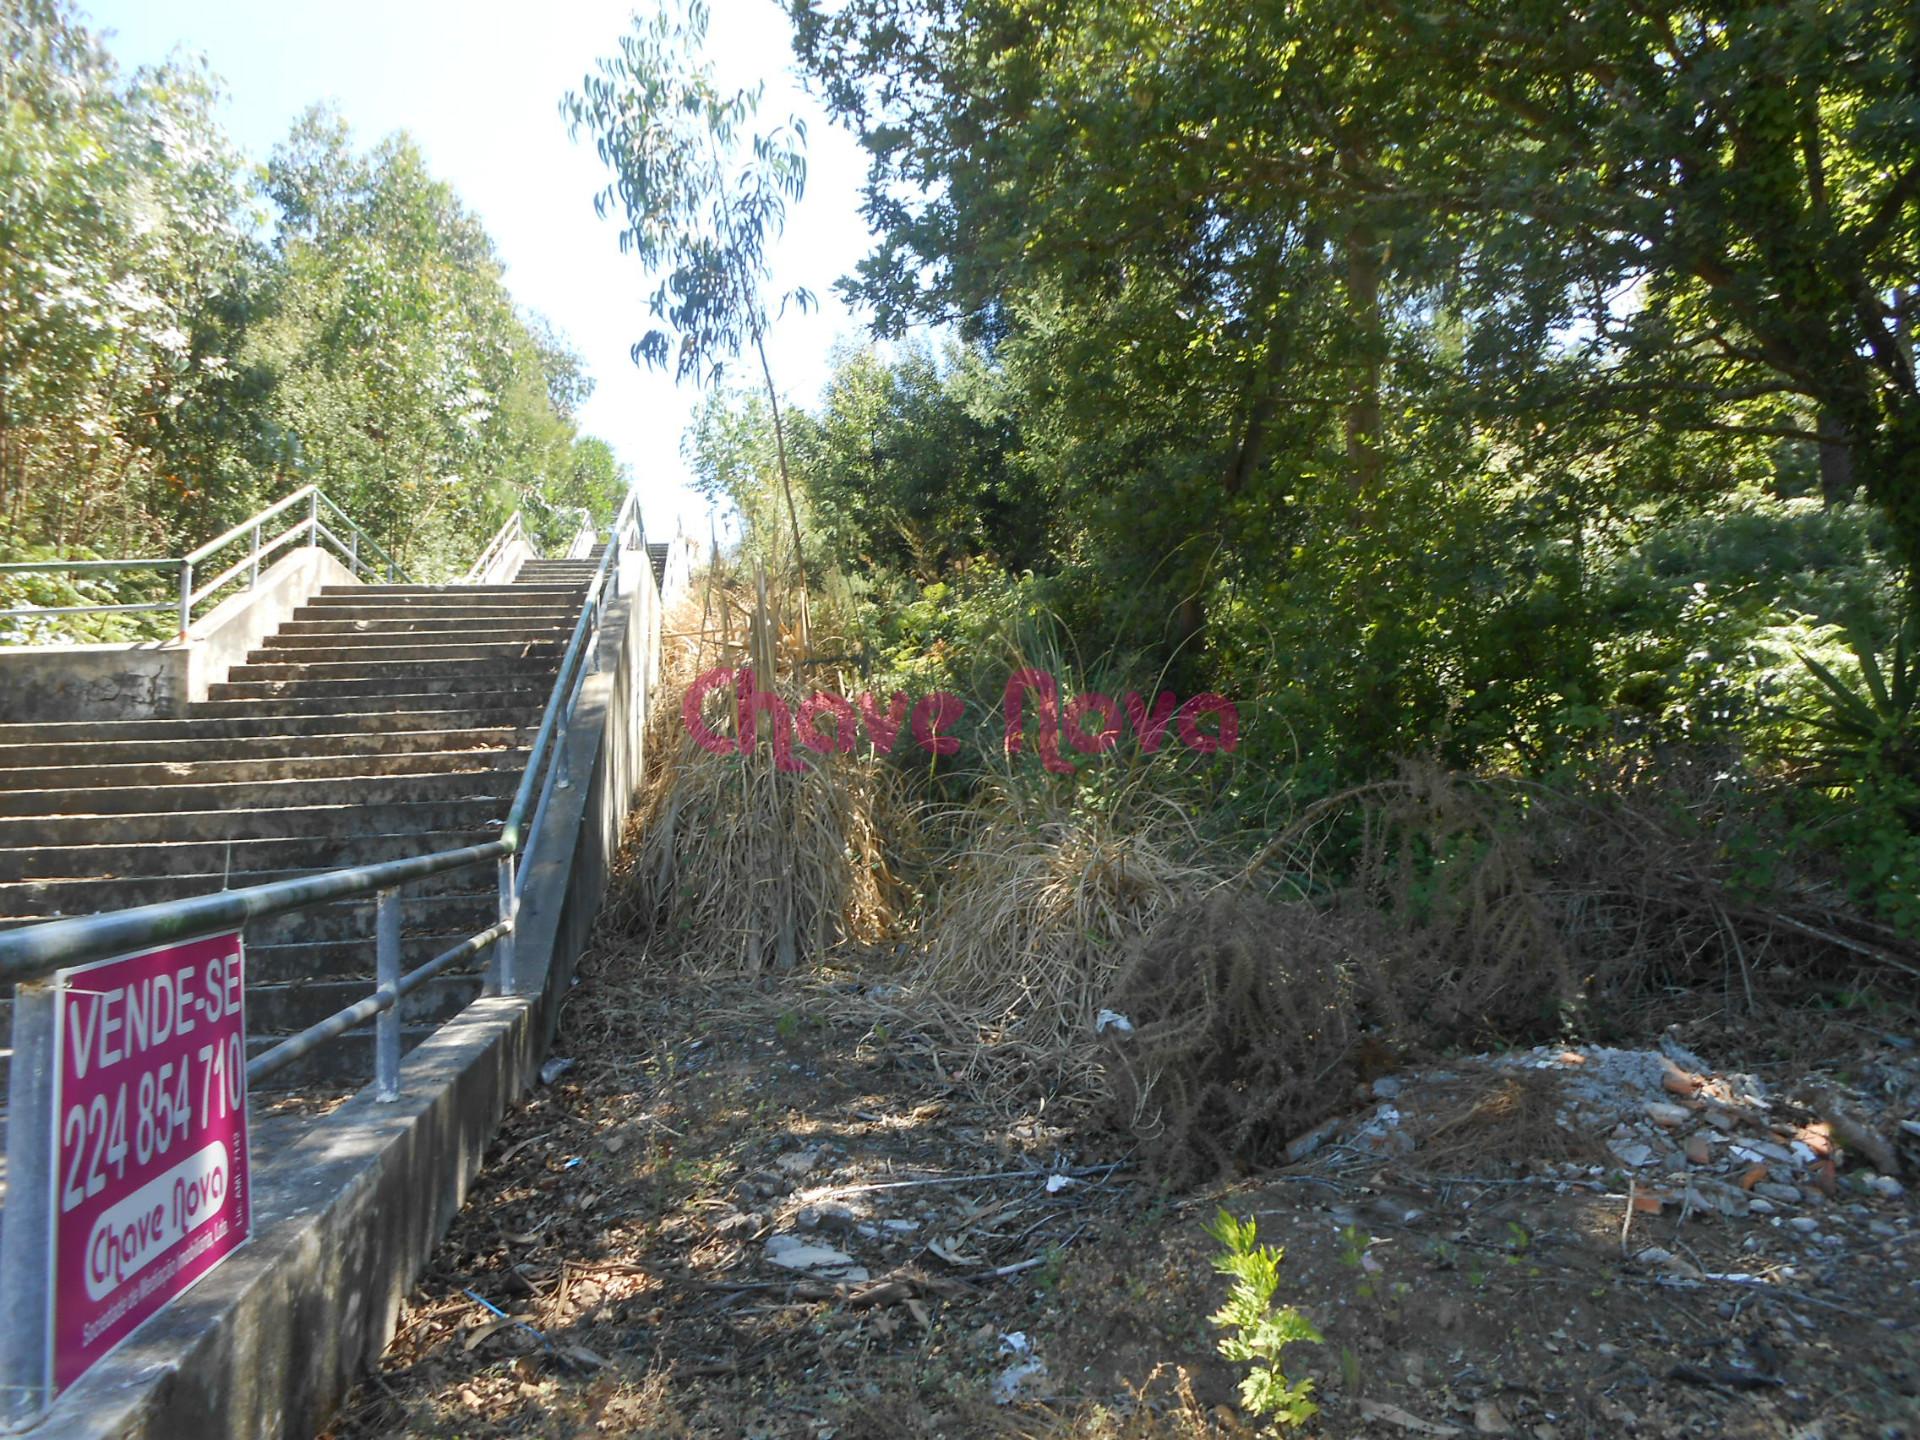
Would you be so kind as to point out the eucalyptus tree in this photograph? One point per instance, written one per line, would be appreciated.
(702, 193)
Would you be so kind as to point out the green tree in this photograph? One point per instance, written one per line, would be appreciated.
(1700, 222)
(125, 282)
(702, 195)
(410, 386)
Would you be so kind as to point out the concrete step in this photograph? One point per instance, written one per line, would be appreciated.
(256, 747)
(52, 899)
(353, 919)
(396, 630)
(550, 646)
(406, 597)
(261, 794)
(495, 704)
(213, 857)
(342, 613)
(287, 1009)
(402, 674)
(229, 723)
(257, 822)
(297, 767)
(533, 682)
(343, 959)
(347, 1061)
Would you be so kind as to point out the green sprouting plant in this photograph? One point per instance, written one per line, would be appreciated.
(1258, 1330)
(1876, 724)
(1353, 1246)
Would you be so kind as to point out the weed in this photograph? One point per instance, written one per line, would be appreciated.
(1047, 1277)
(1258, 1332)
(1519, 1241)
(1350, 1369)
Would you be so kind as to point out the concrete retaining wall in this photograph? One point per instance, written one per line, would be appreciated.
(346, 1217)
(155, 681)
(41, 684)
(222, 638)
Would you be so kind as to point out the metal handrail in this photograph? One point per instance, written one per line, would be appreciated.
(185, 565)
(513, 529)
(35, 951)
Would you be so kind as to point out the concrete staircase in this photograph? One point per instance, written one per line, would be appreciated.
(379, 722)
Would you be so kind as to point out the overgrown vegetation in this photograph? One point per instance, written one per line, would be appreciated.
(1523, 460)
(185, 337)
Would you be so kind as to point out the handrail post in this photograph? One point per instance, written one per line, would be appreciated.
(386, 1040)
(253, 579)
(353, 552)
(504, 978)
(186, 598)
(26, 1241)
(313, 517)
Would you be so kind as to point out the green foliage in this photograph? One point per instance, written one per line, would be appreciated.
(1872, 727)
(703, 195)
(1258, 1331)
(183, 340)
(1522, 389)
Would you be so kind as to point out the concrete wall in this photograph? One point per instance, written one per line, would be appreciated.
(346, 1217)
(223, 636)
(40, 684)
(505, 565)
(570, 861)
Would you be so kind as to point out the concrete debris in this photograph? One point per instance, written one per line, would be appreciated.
(1711, 1142)
(790, 1252)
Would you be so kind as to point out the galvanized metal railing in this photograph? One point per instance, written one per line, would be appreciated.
(29, 956)
(514, 529)
(308, 503)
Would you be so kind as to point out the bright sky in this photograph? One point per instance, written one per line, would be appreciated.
(477, 83)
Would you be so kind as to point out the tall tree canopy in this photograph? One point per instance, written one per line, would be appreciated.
(183, 339)
(1702, 221)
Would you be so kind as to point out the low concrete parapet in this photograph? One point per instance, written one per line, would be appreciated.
(157, 680)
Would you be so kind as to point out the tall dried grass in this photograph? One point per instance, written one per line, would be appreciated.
(727, 862)
(1043, 895)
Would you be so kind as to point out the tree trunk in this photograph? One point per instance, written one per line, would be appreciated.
(1836, 459)
(1363, 411)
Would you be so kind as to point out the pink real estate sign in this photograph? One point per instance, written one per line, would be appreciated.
(150, 1184)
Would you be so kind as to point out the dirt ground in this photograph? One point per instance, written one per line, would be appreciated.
(741, 1213)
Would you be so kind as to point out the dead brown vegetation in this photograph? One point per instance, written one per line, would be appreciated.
(1447, 911)
(729, 862)
(1242, 1033)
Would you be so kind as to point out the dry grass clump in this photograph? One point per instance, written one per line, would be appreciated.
(1520, 908)
(1243, 1033)
(1473, 947)
(729, 862)
(1030, 925)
